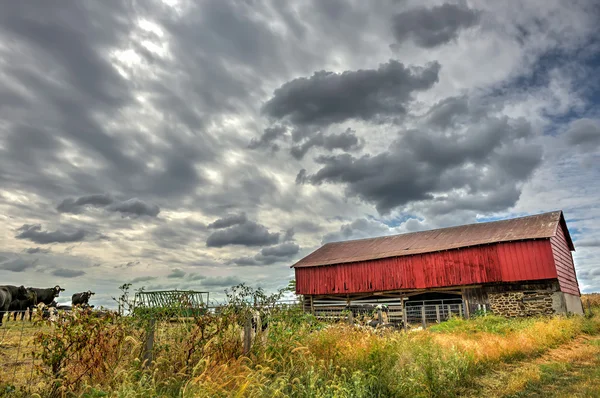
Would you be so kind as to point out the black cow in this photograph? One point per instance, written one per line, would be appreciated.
(82, 298)
(47, 295)
(8, 293)
(21, 306)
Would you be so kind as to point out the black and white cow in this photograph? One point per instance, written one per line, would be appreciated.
(9, 293)
(82, 298)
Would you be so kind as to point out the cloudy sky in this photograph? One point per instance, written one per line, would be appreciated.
(199, 144)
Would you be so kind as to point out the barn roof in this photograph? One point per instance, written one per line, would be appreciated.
(523, 228)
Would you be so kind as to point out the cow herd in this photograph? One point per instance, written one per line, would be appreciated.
(19, 299)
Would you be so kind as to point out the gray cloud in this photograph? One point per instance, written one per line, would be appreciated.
(67, 273)
(176, 274)
(328, 97)
(18, 265)
(229, 221)
(135, 207)
(346, 141)
(143, 279)
(35, 234)
(221, 281)
(246, 234)
(75, 206)
(270, 255)
(358, 229)
(36, 250)
(486, 159)
(196, 277)
(432, 27)
(132, 206)
(283, 250)
(584, 134)
(266, 139)
(588, 242)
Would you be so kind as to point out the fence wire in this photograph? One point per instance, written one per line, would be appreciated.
(17, 365)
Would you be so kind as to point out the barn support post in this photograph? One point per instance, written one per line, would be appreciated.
(466, 304)
(437, 313)
(149, 348)
(312, 305)
(449, 311)
(460, 310)
(404, 315)
(423, 319)
(248, 334)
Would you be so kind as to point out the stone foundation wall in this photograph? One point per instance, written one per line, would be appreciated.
(518, 304)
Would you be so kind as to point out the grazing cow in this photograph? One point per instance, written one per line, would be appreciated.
(22, 306)
(82, 298)
(9, 293)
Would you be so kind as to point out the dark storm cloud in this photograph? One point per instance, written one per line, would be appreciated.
(221, 281)
(328, 97)
(228, 221)
(36, 250)
(75, 206)
(346, 141)
(135, 207)
(35, 234)
(432, 27)
(446, 112)
(283, 250)
(18, 265)
(249, 233)
(270, 255)
(269, 135)
(143, 279)
(67, 273)
(486, 160)
(176, 274)
(130, 207)
(358, 229)
(289, 235)
(584, 134)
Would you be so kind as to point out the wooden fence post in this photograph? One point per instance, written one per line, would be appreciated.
(437, 313)
(449, 311)
(423, 320)
(379, 316)
(148, 351)
(350, 318)
(248, 335)
(460, 310)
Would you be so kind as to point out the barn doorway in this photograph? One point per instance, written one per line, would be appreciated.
(433, 307)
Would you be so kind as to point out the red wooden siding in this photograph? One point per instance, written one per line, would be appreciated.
(564, 263)
(500, 262)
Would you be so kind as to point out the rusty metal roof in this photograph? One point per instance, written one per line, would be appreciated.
(530, 227)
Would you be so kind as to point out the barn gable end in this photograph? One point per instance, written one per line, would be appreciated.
(561, 250)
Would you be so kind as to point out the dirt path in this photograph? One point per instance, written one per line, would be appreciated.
(571, 370)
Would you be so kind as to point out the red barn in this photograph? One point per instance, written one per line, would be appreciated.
(516, 267)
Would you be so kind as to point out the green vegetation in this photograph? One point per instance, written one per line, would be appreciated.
(85, 355)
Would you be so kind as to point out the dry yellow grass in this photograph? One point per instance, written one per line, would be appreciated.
(511, 379)
(592, 299)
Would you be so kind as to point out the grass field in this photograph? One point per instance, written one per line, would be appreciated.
(301, 357)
